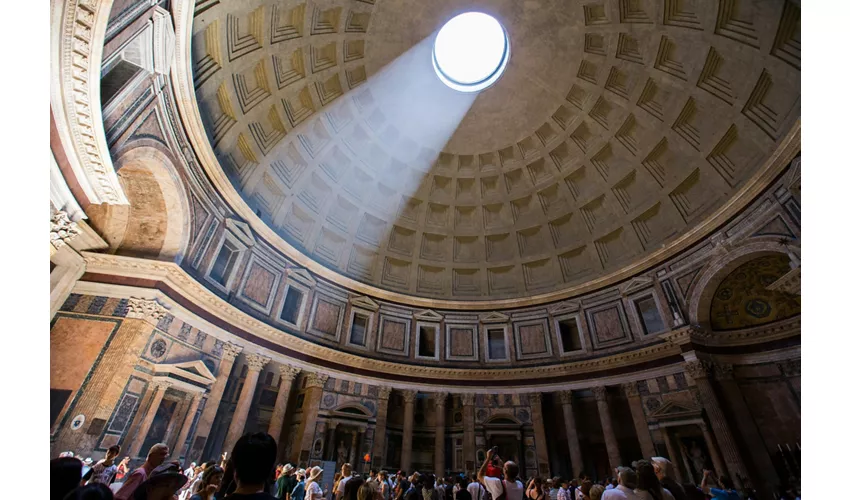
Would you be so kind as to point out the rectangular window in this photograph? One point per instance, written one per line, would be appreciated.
(570, 336)
(496, 344)
(118, 76)
(427, 341)
(359, 326)
(224, 262)
(291, 306)
(650, 318)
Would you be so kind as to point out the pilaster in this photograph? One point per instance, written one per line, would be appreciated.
(601, 395)
(566, 398)
(255, 363)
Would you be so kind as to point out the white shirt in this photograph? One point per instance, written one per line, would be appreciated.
(620, 492)
(494, 486)
(644, 495)
(475, 491)
(314, 491)
(609, 486)
(340, 487)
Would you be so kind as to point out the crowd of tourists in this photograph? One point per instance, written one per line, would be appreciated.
(250, 473)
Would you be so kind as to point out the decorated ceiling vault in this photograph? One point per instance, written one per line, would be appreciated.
(281, 202)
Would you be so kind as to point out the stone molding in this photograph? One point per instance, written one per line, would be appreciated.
(316, 380)
(409, 396)
(692, 334)
(62, 228)
(80, 26)
(162, 384)
(600, 393)
(256, 362)
(791, 282)
(147, 309)
(288, 373)
(230, 351)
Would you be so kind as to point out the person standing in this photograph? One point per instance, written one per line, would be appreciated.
(104, 471)
(210, 483)
(312, 489)
(253, 459)
(156, 456)
(509, 488)
(345, 476)
(648, 486)
(663, 471)
(724, 492)
(298, 490)
(286, 482)
(626, 482)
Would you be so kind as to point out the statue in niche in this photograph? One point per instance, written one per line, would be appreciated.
(341, 454)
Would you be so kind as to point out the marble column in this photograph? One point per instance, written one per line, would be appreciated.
(287, 376)
(440, 435)
(187, 424)
(354, 452)
(229, 352)
(601, 395)
(748, 430)
(700, 370)
(256, 362)
(159, 391)
(716, 459)
(673, 452)
(407, 435)
(178, 416)
(647, 447)
(380, 427)
(468, 401)
(566, 398)
(540, 443)
(310, 413)
(330, 450)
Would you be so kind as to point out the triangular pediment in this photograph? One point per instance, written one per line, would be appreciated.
(195, 373)
(565, 307)
(302, 276)
(241, 230)
(364, 302)
(673, 410)
(494, 317)
(428, 315)
(638, 283)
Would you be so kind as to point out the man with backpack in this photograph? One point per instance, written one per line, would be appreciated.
(509, 488)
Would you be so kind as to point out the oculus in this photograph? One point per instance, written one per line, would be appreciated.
(471, 52)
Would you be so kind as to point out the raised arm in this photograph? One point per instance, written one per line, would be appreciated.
(482, 472)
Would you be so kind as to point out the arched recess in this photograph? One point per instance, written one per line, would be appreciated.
(710, 278)
(156, 222)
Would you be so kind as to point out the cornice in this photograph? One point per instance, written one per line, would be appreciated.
(756, 335)
(190, 117)
(78, 28)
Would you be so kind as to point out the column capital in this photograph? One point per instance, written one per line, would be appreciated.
(288, 372)
(440, 398)
(256, 362)
(62, 228)
(600, 393)
(408, 395)
(535, 398)
(723, 371)
(229, 351)
(566, 397)
(698, 368)
(631, 389)
(467, 399)
(790, 367)
(316, 380)
(384, 392)
(331, 424)
(146, 309)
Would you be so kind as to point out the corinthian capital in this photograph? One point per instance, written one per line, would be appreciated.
(467, 399)
(566, 397)
(62, 228)
(256, 362)
(790, 367)
(288, 373)
(316, 380)
(631, 389)
(535, 398)
(600, 393)
(698, 369)
(384, 392)
(440, 398)
(229, 351)
(409, 396)
(146, 309)
(723, 371)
